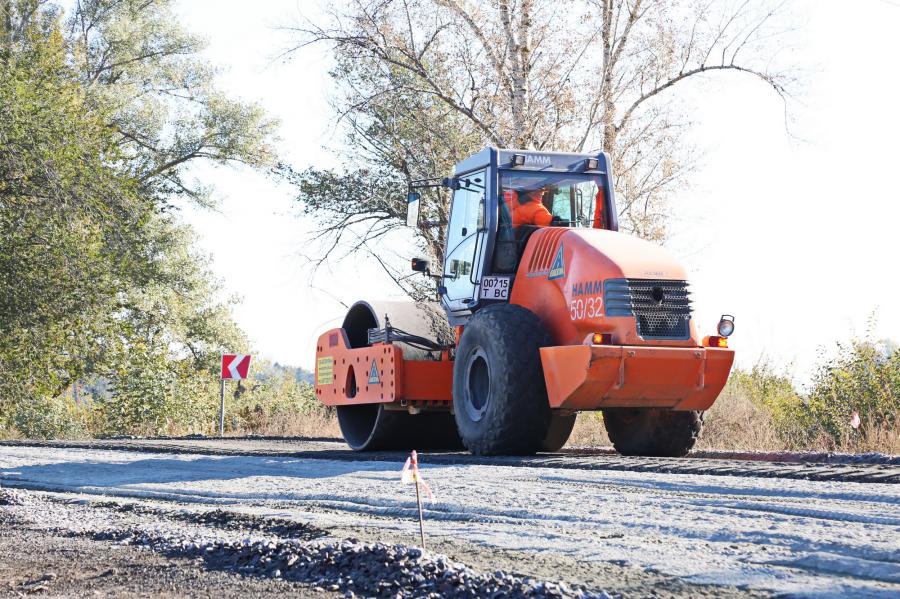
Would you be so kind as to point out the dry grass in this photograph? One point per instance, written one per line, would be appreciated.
(589, 431)
(317, 423)
(875, 438)
(9, 434)
(881, 439)
(735, 422)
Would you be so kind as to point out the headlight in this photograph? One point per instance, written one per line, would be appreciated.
(726, 325)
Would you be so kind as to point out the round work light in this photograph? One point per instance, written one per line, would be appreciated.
(726, 325)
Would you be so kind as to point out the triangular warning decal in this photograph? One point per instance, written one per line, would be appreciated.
(557, 269)
(373, 374)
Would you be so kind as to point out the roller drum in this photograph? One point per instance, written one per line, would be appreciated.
(372, 427)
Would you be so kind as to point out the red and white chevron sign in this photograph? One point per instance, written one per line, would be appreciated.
(235, 366)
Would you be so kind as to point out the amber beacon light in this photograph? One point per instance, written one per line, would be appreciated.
(715, 341)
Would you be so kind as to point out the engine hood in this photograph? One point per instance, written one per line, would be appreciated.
(620, 255)
(564, 272)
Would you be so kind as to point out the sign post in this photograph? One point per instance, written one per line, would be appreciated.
(222, 408)
(234, 366)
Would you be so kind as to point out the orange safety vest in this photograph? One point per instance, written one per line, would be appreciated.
(531, 213)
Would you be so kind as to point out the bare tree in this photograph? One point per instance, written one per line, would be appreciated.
(421, 83)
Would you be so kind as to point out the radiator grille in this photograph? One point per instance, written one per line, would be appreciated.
(662, 309)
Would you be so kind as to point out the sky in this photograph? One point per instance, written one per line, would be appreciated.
(791, 228)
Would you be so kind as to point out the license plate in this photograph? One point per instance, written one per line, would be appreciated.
(495, 288)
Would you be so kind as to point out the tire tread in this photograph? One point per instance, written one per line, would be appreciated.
(652, 432)
(517, 421)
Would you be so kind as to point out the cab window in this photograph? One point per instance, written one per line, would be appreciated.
(463, 239)
(576, 200)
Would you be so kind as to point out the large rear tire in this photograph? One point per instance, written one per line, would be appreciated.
(653, 433)
(558, 432)
(499, 397)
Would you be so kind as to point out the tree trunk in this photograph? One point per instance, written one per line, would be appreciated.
(519, 54)
(608, 111)
(524, 48)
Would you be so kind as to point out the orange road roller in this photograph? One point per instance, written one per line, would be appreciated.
(544, 310)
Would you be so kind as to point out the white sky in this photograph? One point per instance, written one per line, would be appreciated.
(797, 239)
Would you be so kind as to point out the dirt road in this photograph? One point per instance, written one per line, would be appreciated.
(597, 523)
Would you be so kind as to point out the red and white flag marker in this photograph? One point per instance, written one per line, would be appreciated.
(234, 366)
(410, 474)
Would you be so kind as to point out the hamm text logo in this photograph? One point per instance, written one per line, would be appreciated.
(586, 288)
(537, 160)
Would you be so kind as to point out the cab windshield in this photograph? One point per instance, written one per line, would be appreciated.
(572, 199)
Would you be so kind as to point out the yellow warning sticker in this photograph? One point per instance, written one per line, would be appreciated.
(325, 371)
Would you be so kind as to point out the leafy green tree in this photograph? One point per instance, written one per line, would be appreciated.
(147, 73)
(71, 226)
(163, 365)
(103, 107)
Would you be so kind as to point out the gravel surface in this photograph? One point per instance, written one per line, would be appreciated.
(624, 532)
(262, 441)
(349, 567)
(618, 579)
(102, 534)
(36, 562)
(874, 468)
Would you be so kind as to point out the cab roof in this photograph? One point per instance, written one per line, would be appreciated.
(534, 161)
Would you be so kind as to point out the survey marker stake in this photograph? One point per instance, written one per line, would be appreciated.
(410, 473)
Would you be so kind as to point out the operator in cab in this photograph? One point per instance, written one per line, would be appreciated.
(530, 210)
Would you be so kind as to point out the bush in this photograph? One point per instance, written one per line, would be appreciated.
(747, 415)
(760, 408)
(54, 418)
(274, 402)
(151, 395)
(864, 377)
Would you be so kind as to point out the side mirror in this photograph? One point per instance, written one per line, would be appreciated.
(420, 265)
(451, 182)
(412, 208)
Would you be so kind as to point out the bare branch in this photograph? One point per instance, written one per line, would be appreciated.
(702, 69)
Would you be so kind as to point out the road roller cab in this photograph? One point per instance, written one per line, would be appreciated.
(533, 323)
